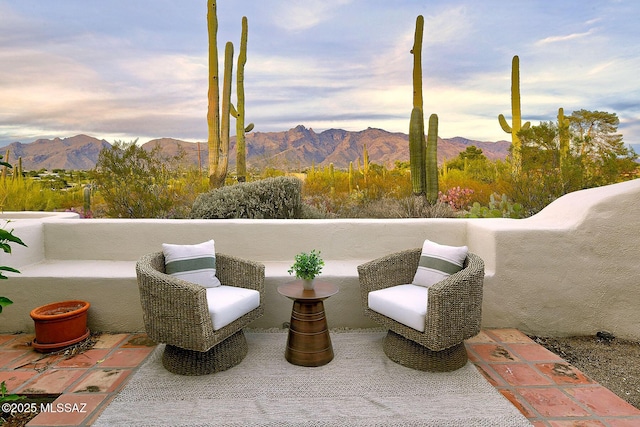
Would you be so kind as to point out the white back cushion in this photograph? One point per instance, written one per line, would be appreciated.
(437, 262)
(193, 263)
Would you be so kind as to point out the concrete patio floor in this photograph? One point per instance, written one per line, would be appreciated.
(545, 388)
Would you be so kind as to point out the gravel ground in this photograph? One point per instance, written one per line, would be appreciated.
(612, 362)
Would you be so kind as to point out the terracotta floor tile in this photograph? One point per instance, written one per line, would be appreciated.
(602, 401)
(86, 359)
(21, 342)
(109, 340)
(493, 378)
(139, 341)
(509, 336)
(102, 381)
(34, 360)
(126, 358)
(520, 375)
(551, 402)
(563, 373)
(53, 381)
(539, 424)
(533, 352)
(482, 337)
(493, 353)
(623, 422)
(577, 423)
(4, 339)
(8, 356)
(16, 379)
(517, 402)
(69, 409)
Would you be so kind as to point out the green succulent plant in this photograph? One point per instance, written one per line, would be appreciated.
(307, 266)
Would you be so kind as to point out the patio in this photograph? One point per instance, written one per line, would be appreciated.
(542, 386)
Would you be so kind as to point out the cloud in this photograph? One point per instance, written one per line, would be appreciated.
(568, 37)
(299, 15)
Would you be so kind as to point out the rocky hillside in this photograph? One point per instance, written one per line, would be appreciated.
(293, 149)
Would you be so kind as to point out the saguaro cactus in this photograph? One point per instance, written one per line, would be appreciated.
(432, 159)
(417, 143)
(516, 117)
(417, 152)
(239, 113)
(218, 120)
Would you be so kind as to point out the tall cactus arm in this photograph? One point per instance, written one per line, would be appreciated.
(417, 152)
(213, 108)
(503, 124)
(417, 62)
(432, 159)
(241, 148)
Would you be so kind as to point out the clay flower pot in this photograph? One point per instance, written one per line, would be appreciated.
(60, 324)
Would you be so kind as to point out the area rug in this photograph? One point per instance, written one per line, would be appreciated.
(359, 387)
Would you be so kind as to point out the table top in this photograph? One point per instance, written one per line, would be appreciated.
(321, 290)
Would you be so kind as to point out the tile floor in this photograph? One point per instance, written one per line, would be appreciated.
(545, 388)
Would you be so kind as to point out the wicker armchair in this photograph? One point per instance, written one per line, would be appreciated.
(454, 311)
(176, 313)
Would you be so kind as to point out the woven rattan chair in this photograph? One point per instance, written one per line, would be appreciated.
(454, 311)
(175, 313)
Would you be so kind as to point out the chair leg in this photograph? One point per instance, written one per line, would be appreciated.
(412, 355)
(222, 356)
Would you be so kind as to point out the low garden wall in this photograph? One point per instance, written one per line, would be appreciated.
(571, 269)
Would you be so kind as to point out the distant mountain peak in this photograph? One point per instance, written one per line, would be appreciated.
(296, 148)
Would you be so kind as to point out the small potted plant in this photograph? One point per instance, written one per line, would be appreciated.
(307, 266)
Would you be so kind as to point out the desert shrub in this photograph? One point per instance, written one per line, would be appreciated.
(27, 194)
(136, 183)
(499, 207)
(271, 198)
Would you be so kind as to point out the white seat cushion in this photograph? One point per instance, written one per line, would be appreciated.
(227, 303)
(406, 304)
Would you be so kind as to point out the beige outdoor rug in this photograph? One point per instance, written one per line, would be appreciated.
(360, 387)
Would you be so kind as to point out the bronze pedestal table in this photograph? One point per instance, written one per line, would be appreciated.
(308, 343)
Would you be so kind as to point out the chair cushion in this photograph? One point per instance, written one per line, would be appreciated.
(193, 263)
(406, 304)
(227, 303)
(438, 262)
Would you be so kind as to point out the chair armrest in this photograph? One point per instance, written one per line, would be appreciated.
(242, 273)
(391, 270)
(175, 311)
(454, 310)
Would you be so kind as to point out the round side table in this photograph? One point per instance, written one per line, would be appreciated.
(308, 343)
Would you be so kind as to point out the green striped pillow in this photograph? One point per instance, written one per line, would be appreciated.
(193, 263)
(437, 262)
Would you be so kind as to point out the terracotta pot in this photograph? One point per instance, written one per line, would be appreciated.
(60, 324)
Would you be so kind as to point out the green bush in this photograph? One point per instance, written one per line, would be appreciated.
(271, 198)
(136, 183)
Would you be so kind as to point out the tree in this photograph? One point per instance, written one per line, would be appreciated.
(595, 155)
(136, 183)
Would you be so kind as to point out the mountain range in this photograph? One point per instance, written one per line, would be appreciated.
(295, 148)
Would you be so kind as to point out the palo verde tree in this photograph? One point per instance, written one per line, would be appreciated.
(580, 151)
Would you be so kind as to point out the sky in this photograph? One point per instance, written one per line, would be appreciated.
(126, 70)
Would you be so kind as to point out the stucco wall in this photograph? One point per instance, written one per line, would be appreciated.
(572, 269)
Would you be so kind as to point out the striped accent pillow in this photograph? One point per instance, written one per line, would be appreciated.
(193, 263)
(437, 262)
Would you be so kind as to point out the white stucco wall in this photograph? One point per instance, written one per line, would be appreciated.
(572, 269)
